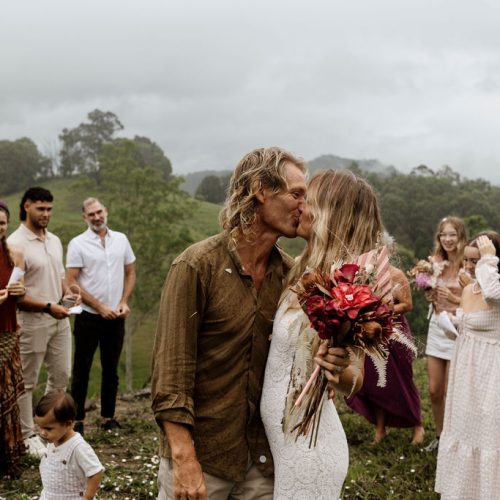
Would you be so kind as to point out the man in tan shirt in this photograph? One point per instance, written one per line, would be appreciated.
(45, 332)
(212, 338)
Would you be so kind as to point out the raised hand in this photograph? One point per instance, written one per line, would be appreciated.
(485, 246)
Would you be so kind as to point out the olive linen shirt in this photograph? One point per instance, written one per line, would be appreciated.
(210, 354)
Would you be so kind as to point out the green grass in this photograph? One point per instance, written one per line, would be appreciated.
(392, 469)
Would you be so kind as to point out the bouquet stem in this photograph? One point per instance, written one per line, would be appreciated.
(310, 382)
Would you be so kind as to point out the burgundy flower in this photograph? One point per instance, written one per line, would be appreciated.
(346, 273)
(315, 304)
(319, 311)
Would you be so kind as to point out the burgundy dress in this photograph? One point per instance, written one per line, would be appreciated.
(399, 398)
(11, 378)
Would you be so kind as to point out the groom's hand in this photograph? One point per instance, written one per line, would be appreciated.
(189, 483)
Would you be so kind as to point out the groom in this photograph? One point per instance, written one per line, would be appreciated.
(212, 339)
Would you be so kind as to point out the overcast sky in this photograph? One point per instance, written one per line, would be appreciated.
(408, 82)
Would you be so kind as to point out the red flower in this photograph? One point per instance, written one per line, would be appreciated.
(346, 273)
(315, 304)
(349, 299)
(317, 309)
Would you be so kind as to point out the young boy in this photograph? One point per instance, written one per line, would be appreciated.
(70, 468)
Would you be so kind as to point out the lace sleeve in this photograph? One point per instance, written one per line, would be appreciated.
(488, 278)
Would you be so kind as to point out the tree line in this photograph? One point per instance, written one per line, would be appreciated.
(137, 169)
(22, 164)
(412, 205)
(133, 176)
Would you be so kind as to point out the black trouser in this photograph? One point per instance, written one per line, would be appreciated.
(90, 331)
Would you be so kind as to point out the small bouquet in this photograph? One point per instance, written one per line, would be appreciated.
(350, 307)
(425, 274)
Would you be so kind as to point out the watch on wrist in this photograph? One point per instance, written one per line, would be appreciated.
(46, 309)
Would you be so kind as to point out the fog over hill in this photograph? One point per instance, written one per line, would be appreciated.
(326, 162)
(323, 162)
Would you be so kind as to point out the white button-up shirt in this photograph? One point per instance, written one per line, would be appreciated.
(102, 268)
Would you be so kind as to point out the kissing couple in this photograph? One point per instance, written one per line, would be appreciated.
(227, 335)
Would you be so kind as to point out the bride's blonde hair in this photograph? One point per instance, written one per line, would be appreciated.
(346, 221)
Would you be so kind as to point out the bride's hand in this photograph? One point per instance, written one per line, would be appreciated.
(333, 360)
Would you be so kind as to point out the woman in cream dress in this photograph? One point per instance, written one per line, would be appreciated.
(468, 464)
(341, 221)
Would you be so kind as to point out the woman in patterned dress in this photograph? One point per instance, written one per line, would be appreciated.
(11, 379)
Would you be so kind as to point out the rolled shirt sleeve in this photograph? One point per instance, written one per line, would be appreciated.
(175, 348)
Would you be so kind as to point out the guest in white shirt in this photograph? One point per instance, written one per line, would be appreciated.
(101, 263)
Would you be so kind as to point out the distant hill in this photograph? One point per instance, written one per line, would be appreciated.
(193, 180)
(324, 162)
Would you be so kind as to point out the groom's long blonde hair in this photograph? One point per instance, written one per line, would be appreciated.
(346, 221)
(262, 167)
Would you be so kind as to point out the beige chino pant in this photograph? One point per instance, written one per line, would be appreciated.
(46, 340)
(254, 486)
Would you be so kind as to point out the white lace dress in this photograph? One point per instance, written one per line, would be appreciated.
(300, 472)
(468, 464)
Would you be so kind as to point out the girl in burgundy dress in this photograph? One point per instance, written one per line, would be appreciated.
(398, 403)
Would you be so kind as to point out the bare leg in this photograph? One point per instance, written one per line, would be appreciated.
(437, 369)
(380, 431)
(418, 435)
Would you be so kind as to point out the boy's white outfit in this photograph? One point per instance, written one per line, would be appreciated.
(65, 468)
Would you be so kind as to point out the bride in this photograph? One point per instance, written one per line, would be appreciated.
(341, 221)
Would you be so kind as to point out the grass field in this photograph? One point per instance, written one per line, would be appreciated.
(392, 469)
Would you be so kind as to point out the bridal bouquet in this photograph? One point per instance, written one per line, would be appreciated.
(425, 274)
(351, 307)
(343, 307)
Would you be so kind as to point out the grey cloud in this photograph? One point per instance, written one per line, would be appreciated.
(405, 82)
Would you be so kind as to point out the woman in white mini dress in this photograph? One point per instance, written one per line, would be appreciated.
(468, 464)
(341, 221)
(450, 241)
